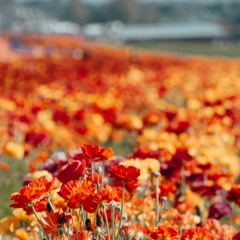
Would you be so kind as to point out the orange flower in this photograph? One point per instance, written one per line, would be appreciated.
(197, 233)
(73, 187)
(8, 225)
(33, 192)
(123, 173)
(4, 167)
(220, 232)
(96, 153)
(81, 199)
(54, 221)
(164, 232)
(106, 194)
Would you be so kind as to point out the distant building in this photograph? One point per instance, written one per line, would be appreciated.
(175, 31)
(119, 32)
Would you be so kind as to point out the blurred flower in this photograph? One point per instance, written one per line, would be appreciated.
(234, 193)
(22, 215)
(146, 166)
(4, 167)
(24, 234)
(14, 149)
(164, 232)
(8, 225)
(197, 233)
(219, 209)
(220, 232)
(236, 236)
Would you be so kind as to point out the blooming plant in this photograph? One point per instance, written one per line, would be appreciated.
(175, 122)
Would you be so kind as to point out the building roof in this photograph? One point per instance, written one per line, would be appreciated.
(177, 30)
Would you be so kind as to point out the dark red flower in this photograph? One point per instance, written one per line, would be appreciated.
(36, 138)
(61, 116)
(74, 170)
(219, 209)
(234, 194)
(236, 236)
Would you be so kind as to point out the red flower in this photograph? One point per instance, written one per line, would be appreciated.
(96, 153)
(36, 138)
(74, 170)
(234, 194)
(123, 173)
(164, 232)
(33, 192)
(236, 236)
(197, 233)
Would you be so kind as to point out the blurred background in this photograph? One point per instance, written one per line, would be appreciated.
(206, 27)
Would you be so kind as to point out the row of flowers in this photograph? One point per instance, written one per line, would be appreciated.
(96, 195)
(180, 114)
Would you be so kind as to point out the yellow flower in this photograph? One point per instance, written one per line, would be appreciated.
(8, 225)
(22, 234)
(20, 214)
(14, 149)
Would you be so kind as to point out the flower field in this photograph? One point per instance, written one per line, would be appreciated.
(99, 142)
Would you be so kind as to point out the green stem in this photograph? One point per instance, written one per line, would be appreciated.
(49, 202)
(83, 217)
(183, 182)
(41, 229)
(157, 202)
(113, 221)
(106, 220)
(70, 225)
(79, 219)
(121, 214)
(162, 209)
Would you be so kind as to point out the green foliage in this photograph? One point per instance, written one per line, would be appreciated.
(220, 49)
(10, 182)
